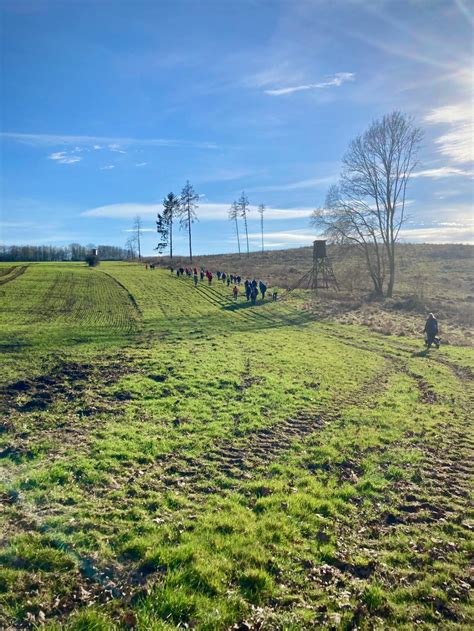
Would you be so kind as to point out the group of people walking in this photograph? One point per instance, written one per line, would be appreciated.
(252, 288)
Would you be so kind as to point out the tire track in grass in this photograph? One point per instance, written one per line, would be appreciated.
(13, 273)
(131, 297)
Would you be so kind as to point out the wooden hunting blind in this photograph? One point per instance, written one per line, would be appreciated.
(321, 275)
(319, 249)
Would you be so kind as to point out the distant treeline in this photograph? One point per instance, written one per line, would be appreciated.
(71, 252)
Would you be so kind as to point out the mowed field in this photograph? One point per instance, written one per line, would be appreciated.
(172, 459)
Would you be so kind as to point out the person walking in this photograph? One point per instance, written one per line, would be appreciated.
(431, 331)
(247, 289)
(253, 295)
(263, 289)
(196, 279)
(235, 292)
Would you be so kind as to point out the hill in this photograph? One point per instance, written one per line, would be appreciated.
(174, 459)
(431, 278)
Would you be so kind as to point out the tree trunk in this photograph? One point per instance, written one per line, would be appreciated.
(171, 239)
(237, 231)
(391, 280)
(247, 235)
(262, 230)
(189, 233)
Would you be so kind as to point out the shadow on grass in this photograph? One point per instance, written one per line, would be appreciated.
(423, 353)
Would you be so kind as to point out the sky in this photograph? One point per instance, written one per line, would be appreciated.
(108, 105)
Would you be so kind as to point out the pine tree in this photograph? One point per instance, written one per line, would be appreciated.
(243, 206)
(162, 227)
(171, 210)
(261, 210)
(234, 216)
(187, 205)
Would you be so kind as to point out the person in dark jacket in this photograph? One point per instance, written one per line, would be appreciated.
(431, 331)
(248, 289)
(263, 288)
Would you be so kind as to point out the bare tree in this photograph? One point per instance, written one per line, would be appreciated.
(164, 224)
(234, 216)
(131, 247)
(187, 209)
(367, 207)
(261, 210)
(244, 207)
(137, 229)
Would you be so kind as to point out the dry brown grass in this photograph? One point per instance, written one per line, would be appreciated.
(437, 278)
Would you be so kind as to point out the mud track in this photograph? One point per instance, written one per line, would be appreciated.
(13, 273)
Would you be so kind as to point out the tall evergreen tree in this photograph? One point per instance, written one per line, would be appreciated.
(244, 207)
(261, 210)
(164, 224)
(162, 227)
(187, 210)
(234, 216)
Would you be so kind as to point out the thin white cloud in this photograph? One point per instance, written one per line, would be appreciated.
(440, 233)
(206, 211)
(141, 164)
(227, 175)
(107, 167)
(457, 142)
(62, 157)
(301, 236)
(116, 147)
(442, 172)
(337, 80)
(97, 141)
(314, 182)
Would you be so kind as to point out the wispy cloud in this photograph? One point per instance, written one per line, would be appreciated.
(114, 146)
(227, 175)
(337, 80)
(456, 143)
(442, 172)
(62, 157)
(206, 211)
(314, 182)
(141, 164)
(107, 167)
(441, 233)
(97, 141)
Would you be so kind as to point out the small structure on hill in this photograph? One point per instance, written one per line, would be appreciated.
(321, 275)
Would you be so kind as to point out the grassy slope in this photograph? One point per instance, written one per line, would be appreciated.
(196, 461)
(435, 278)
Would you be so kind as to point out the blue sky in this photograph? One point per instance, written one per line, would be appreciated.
(109, 105)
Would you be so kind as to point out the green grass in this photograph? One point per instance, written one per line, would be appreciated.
(175, 458)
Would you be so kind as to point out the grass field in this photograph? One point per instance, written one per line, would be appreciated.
(172, 459)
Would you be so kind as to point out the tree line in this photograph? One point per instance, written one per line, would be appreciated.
(182, 209)
(71, 252)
